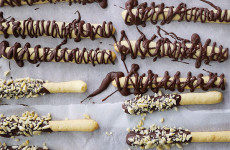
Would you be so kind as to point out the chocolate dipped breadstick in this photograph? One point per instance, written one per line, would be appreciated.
(46, 54)
(27, 87)
(77, 29)
(166, 14)
(164, 137)
(178, 49)
(12, 3)
(158, 102)
(21, 147)
(31, 124)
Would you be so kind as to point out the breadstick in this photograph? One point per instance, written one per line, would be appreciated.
(158, 102)
(31, 124)
(159, 46)
(12, 3)
(142, 82)
(156, 136)
(23, 146)
(38, 54)
(77, 29)
(123, 82)
(27, 87)
(176, 50)
(154, 13)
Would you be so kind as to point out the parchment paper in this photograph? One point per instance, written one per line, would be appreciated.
(109, 114)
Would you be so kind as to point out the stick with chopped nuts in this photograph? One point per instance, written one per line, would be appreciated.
(31, 124)
(21, 147)
(27, 87)
(158, 102)
(164, 137)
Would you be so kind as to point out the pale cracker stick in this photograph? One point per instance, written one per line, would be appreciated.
(85, 125)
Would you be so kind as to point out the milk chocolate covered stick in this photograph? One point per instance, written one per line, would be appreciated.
(148, 104)
(166, 14)
(155, 136)
(177, 49)
(31, 124)
(27, 87)
(46, 54)
(77, 29)
(12, 3)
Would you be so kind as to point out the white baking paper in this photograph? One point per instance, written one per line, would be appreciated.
(109, 114)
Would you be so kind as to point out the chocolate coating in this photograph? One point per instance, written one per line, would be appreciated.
(52, 29)
(157, 136)
(152, 12)
(91, 55)
(177, 49)
(12, 3)
(148, 104)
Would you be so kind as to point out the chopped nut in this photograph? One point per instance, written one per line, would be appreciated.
(176, 109)
(86, 116)
(162, 120)
(179, 146)
(6, 73)
(17, 139)
(108, 133)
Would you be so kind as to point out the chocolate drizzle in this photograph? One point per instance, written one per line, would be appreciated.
(167, 82)
(168, 13)
(64, 30)
(75, 55)
(179, 49)
(12, 3)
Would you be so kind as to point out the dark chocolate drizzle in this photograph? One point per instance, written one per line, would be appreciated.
(76, 55)
(177, 49)
(35, 28)
(152, 12)
(12, 3)
(139, 87)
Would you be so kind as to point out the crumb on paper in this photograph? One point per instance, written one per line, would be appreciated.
(86, 116)
(17, 139)
(12, 137)
(162, 120)
(44, 146)
(26, 143)
(175, 108)
(108, 133)
(6, 73)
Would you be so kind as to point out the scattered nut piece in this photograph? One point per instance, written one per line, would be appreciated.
(6, 73)
(86, 116)
(162, 120)
(17, 139)
(108, 133)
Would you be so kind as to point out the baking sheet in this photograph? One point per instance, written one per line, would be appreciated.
(109, 114)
